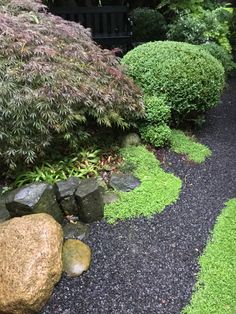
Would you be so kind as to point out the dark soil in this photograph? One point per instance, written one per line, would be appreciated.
(150, 266)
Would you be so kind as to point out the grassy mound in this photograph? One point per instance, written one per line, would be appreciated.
(183, 144)
(216, 286)
(157, 190)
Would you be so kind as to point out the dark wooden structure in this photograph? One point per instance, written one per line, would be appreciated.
(110, 25)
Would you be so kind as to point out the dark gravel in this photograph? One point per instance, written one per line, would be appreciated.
(150, 266)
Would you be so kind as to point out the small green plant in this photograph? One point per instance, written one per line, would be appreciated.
(189, 78)
(216, 284)
(5, 189)
(84, 165)
(183, 144)
(157, 135)
(158, 189)
(155, 129)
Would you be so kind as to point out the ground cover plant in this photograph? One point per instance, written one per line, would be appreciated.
(157, 190)
(216, 285)
(188, 77)
(180, 143)
(54, 81)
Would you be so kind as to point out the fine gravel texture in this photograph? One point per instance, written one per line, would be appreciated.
(150, 265)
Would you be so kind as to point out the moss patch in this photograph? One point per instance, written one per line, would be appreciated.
(183, 144)
(157, 190)
(216, 286)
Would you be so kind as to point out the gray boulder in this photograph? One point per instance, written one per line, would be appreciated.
(124, 182)
(90, 202)
(4, 213)
(131, 139)
(102, 184)
(65, 191)
(77, 230)
(33, 199)
(110, 197)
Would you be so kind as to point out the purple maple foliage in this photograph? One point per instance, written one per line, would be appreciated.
(54, 79)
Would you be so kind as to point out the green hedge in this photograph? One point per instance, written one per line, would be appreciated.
(189, 78)
(222, 55)
(149, 24)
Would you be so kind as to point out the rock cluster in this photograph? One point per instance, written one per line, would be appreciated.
(82, 198)
(33, 255)
(31, 243)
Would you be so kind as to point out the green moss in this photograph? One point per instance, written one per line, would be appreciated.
(216, 286)
(183, 144)
(157, 190)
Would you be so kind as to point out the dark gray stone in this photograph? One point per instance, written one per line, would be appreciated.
(77, 230)
(102, 185)
(4, 213)
(89, 199)
(124, 182)
(65, 191)
(131, 139)
(33, 199)
(110, 197)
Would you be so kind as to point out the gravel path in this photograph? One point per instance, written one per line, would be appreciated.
(150, 266)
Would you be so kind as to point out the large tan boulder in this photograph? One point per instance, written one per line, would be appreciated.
(30, 262)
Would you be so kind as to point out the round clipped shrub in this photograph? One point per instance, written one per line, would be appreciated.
(157, 111)
(221, 55)
(190, 78)
(149, 24)
(157, 135)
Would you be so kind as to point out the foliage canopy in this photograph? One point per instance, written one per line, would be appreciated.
(54, 80)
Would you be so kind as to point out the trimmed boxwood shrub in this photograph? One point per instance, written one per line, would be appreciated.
(157, 135)
(54, 81)
(157, 111)
(221, 55)
(149, 24)
(190, 78)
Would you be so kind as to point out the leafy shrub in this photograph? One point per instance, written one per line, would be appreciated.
(202, 27)
(156, 110)
(221, 55)
(54, 80)
(190, 78)
(191, 5)
(157, 135)
(149, 24)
